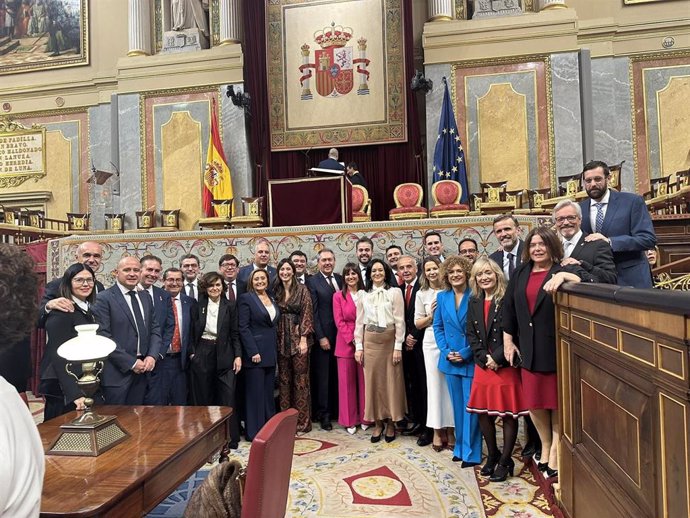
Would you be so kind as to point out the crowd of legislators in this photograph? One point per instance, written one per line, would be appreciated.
(438, 348)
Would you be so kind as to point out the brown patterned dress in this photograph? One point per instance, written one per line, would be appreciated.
(296, 320)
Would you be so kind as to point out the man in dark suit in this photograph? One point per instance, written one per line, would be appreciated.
(169, 379)
(364, 249)
(299, 259)
(262, 255)
(468, 248)
(413, 356)
(189, 264)
(229, 268)
(89, 253)
(393, 255)
(622, 220)
(594, 256)
(332, 161)
(507, 231)
(355, 176)
(324, 374)
(151, 267)
(433, 245)
(130, 321)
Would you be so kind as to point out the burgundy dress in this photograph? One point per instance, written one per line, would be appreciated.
(540, 389)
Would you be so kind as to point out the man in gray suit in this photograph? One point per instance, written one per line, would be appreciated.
(131, 322)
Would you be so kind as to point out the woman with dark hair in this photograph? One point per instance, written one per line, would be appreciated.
(379, 335)
(350, 373)
(455, 359)
(60, 389)
(259, 315)
(295, 328)
(215, 358)
(496, 389)
(529, 321)
(439, 415)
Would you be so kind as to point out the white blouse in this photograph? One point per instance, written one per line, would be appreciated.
(380, 307)
(211, 329)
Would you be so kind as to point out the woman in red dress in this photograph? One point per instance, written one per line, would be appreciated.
(496, 389)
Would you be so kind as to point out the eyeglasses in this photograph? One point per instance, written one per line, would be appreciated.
(88, 281)
(229, 266)
(467, 252)
(569, 219)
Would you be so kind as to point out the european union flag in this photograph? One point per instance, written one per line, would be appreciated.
(449, 158)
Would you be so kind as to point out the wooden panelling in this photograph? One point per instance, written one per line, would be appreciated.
(672, 360)
(581, 326)
(564, 320)
(605, 334)
(638, 347)
(674, 457)
(566, 389)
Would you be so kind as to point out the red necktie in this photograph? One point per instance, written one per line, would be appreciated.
(176, 345)
(408, 294)
(231, 293)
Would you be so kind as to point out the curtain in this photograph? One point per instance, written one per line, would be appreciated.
(384, 166)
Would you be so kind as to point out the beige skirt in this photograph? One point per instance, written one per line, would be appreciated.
(384, 384)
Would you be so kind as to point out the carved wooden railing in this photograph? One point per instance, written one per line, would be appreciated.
(664, 281)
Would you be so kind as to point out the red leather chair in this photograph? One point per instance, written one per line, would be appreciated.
(268, 469)
(361, 204)
(446, 195)
(408, 202)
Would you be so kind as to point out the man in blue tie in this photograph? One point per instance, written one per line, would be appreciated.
(621, 219)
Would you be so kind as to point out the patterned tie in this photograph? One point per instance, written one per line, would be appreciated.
(408, 294)
(190, 290)
(231, 292)
(142, 344)
(511, 264)
(600, 217)
(176, 345)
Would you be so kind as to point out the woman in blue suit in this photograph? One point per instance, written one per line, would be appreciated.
(258, 316)
(456, 359)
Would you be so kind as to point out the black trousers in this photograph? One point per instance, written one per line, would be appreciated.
(415, 382)
(324, 382)
(167, 383)
(209, 386)
(132, 392)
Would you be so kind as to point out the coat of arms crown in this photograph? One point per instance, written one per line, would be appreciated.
(333, 36)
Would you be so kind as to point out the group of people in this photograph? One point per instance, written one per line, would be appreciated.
(436, 349)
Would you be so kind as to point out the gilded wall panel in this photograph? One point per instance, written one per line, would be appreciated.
(509, 134)
(180, 152)
(503, 111)
(660, 88)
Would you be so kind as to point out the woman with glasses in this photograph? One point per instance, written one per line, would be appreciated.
(295, 329)
(379, 335)
(60, 389)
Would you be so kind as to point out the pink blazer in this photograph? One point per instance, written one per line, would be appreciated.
(344, 314)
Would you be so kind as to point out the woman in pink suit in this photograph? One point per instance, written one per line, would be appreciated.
(350, 373)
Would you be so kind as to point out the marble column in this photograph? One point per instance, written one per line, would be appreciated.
(139, 28)
(553, 4)
(230, 22)
(440, 10)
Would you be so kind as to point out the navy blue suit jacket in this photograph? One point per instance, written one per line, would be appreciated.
(258, 332)
(322, 302)
(189, 308)
(162, 305)
(245, 272)
(497, 256)
(629, 227)
(117, 322)
(329, 163)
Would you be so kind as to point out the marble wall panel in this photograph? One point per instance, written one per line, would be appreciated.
(129, 201)
(434, 101)
(611, 102)
(100, 146)
(567, 118)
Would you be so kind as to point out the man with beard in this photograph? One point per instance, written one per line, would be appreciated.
(364, 250)
(621, 219)
(507, 231)
(393, 254)
(433, 246)
(299, 259)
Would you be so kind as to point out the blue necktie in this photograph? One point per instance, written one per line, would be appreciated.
(600, 217)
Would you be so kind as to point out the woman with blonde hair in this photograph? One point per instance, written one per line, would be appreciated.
(496, 389)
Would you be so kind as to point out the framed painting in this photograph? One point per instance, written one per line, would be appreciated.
(43, 34)
(335, 73)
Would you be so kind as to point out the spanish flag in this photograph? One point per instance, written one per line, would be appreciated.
(217, 179)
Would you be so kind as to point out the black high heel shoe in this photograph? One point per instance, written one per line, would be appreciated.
(488, 468)
(390, 438)
(376, 438)
(542, 466)
(551, 473)
(502, 471)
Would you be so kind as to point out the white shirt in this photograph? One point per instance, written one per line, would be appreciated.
(506, 262)
(380, 307)
(23, 465)
(211, 329)
(593, 209)
(128, 300)
(569, 244)
(333, 282)
(195, 283)
(178, 307)
(232, 286)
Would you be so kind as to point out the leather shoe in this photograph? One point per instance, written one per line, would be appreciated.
(467, 464)
(415, 430)
(326, 425)
(424, 440)
(529, 450)
(456, 458)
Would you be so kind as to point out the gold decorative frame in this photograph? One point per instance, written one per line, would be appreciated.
(9, 64)
(10, 128)
(633, 2)
(328, 131)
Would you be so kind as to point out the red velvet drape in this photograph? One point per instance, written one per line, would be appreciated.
(39, 253)
(384, 166)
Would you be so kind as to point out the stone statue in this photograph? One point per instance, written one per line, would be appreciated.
(190, 14)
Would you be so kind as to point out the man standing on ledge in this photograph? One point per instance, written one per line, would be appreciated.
(621, 219)
(332, 161)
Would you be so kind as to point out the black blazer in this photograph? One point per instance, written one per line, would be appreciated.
(482, 340)
(258, 332)
(410, 328)
(60, 328)
(497, 256)
(52, 291)
(596, 257)
(322, 302)
(536, 333)
(228, 339)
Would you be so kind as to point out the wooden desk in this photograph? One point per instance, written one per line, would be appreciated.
(166, 446)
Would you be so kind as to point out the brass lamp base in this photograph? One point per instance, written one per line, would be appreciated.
(90, 435)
